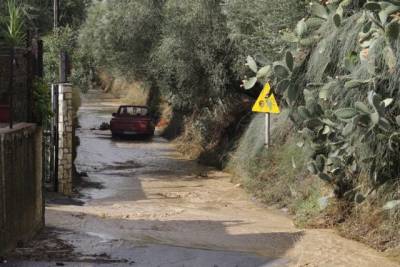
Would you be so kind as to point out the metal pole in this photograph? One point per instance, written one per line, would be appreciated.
(56, 9)
(56, 13)
(267, 130)
(11, 89)
(55, 135)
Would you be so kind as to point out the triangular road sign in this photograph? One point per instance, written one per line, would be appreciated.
(266, 102)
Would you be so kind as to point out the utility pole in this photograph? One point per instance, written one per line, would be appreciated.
(56, 13)
(64, 60)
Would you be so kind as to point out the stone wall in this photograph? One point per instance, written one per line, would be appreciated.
(21, 199)
(65, 135)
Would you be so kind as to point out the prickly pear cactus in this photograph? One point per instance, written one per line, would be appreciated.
(351, 119)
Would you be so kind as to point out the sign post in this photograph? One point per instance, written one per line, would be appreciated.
(267, 129)
(266, 103)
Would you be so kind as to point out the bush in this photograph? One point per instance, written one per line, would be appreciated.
(42, 101)
(276, 176)
(62, 39)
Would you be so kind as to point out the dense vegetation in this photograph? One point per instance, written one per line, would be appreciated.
(191, 52)
(188, 49)
(344, 101)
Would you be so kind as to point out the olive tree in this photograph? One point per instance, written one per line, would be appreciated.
(119, 35)
(192, 62)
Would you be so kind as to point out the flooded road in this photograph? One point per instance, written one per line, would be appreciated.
(141, 203)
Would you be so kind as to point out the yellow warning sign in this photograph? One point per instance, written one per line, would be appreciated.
(266, 102)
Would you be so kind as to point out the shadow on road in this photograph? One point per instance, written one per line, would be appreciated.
(88, 238)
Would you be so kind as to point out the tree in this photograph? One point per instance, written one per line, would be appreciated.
(119, 35)
(255, 25)
(192, 63)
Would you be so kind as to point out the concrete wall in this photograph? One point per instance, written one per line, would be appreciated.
(21, 199)
(65, 135)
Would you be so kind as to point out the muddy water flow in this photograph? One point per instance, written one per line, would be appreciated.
(143, 204)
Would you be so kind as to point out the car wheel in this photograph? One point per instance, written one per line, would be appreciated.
(114, 135)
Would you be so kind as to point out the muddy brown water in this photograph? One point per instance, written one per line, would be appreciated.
(144, 204)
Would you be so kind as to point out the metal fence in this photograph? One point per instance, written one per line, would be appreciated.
(28, 66)
(50, 144)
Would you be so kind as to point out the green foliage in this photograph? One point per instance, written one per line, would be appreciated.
(192, 62)
(62, 39)
(119, 35)
(42, 100)
(182, 48)
(309, 207)
(13, 24)
(188, 50)
(39, 13)
(255, 27)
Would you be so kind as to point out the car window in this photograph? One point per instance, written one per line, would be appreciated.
(123, 111)
(133, 111)
(143, 111)
(126, 111)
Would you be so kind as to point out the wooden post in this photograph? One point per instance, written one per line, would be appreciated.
(267, 130)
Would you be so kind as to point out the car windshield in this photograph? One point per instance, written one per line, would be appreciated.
(133, 111)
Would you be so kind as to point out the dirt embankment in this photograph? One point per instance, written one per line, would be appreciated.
(209, 134)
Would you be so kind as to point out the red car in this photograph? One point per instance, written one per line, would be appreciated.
(132, 120)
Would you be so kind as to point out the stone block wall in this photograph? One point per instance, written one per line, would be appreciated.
(21, 198)
(65, 135)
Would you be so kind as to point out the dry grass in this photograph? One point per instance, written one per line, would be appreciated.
(276, 176)
(131, 92)
(189, 143)
(371, 224)
(210, 133)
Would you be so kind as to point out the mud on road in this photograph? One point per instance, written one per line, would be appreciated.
(143, 204)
